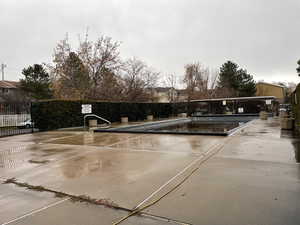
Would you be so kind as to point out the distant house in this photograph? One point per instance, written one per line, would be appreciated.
(182, 95)
(267, 89)
(168, 94)
(165, 94)
(8, 88)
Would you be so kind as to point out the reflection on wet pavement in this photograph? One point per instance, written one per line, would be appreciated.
(170, 143)
(264, 141)
(94, 139)
(125, 177)
(18, 157)
(84, 165)
(267, 129)
(37, 137)
(129, 168)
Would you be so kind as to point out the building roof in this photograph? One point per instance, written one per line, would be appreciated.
(231, 99)
(276, 85)
(182, 91)
(9, 84)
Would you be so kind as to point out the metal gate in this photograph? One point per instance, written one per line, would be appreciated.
(15, 118)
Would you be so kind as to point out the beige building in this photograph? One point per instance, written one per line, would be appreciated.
(267, 89)
(168, 94)
(165, 94)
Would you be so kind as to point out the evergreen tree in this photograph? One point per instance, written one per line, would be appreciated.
(74, 78)
(247, 86)
(237, 82)
(36, 83)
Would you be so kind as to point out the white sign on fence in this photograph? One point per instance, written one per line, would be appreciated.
(86, 108)
(224, 102)
(269, 102)
(241, 110)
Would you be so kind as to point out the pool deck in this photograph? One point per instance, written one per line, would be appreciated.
(250, 178)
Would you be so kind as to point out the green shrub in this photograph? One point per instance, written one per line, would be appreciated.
(55, 114)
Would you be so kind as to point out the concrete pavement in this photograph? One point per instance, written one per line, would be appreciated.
(252, 178)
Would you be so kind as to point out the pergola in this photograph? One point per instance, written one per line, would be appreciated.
(241, 105)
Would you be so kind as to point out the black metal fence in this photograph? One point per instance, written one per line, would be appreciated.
(15, 118)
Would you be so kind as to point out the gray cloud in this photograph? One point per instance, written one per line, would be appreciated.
(261, 36)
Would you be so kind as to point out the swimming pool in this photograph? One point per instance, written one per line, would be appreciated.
(221, 126)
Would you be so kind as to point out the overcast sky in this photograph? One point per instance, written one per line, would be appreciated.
(262, 36)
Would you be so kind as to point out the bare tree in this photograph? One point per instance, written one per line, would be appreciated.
(100, 59)
(171, 82)
(190, 79)
(111, 87)
(138, 81)
(61, 54)
(199, 81)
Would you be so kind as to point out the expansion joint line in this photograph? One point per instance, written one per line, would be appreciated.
(59, 194)
(74, 198)
(197, 162)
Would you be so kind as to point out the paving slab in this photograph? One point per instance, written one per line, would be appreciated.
(254, 179)
(234, 191)
(261, 128)
(77, 213)
(261, 148)
(125, 177)
(94, 139)
(21, 158)
(38, 137)
(171, 143)
(13, 145)
(16, 202)
(265, 141)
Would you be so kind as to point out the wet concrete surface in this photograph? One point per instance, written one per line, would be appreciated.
(264, 141)
(16, 201)
(20, 159)
(254, 179)
(125, 178)
(171, 143)
(95, 139)
(69, 212)
(38, 137)
(234, 191)
(251, 149)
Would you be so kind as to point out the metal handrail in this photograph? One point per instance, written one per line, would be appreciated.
(93, 115)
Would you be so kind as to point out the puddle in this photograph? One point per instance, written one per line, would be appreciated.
(84, 165)
(38, 161)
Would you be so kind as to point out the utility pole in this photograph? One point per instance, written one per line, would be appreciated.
(2, 70)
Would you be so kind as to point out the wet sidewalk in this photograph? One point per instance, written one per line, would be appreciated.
(251, 177)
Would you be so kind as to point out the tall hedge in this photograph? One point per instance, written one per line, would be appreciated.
(55, 114)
